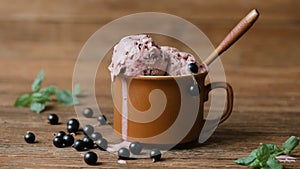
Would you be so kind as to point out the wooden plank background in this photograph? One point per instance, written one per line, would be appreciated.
(262, 67)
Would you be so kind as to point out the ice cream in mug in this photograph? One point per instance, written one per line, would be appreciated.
(149, 67)
(139, 67)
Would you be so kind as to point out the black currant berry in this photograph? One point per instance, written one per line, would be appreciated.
(60, 134)
(79, 145)
(155, 155)
(96, 136)
(123, 153)
(135, 148)
(53, 119)
(194, 90)
(102, 119)
(102, 144)
(90, 158)
(88, 129)
(74, 123)
(29, 137)
(68, 140)
(88, 143)
(58, 142)
(72, 129)
(87, 112)
(193, 67)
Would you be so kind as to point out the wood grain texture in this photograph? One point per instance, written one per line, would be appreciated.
(262, 67)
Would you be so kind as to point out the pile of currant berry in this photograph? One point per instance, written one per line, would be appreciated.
(90, 140)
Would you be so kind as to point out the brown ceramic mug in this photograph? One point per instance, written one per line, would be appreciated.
(149, 115)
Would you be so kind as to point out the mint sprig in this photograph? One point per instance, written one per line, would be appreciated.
(39, 97)
(264, 156)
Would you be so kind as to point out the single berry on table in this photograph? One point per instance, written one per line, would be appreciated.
(193, 67)
(102, 119)
(60, 134)
(102, 144)
(68, 140)
(88, 112)
(29, 137)
(53, 119)
(58, 142)
(74, 123)
(88, 129)
(135, 148)
(155, 155)
(123, 153)
(79, 145)
(88, 143)
(96, 136)
(90, 158)
(72, 129)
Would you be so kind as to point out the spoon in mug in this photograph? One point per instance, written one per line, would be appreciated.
(241, 28)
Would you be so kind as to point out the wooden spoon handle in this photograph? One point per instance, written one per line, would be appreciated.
(233, 35)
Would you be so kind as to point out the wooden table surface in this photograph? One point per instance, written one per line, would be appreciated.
(262, 67)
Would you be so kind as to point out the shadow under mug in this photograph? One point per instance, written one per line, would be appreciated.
(153, 104)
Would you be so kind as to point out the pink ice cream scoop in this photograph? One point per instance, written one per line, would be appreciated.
(179, 61)
(138, 55)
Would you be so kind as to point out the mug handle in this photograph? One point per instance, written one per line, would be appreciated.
(229, 91)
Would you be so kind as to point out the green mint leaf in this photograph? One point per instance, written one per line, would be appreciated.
(273, 163)
(23, 101)
(37, 107)
(50, 90)
(263, 154)
(255, 164)
(290, 144)
(247, 160)
(273, 149)
(76, 90)
(36, 85)
(65, 97)
(40, 97)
